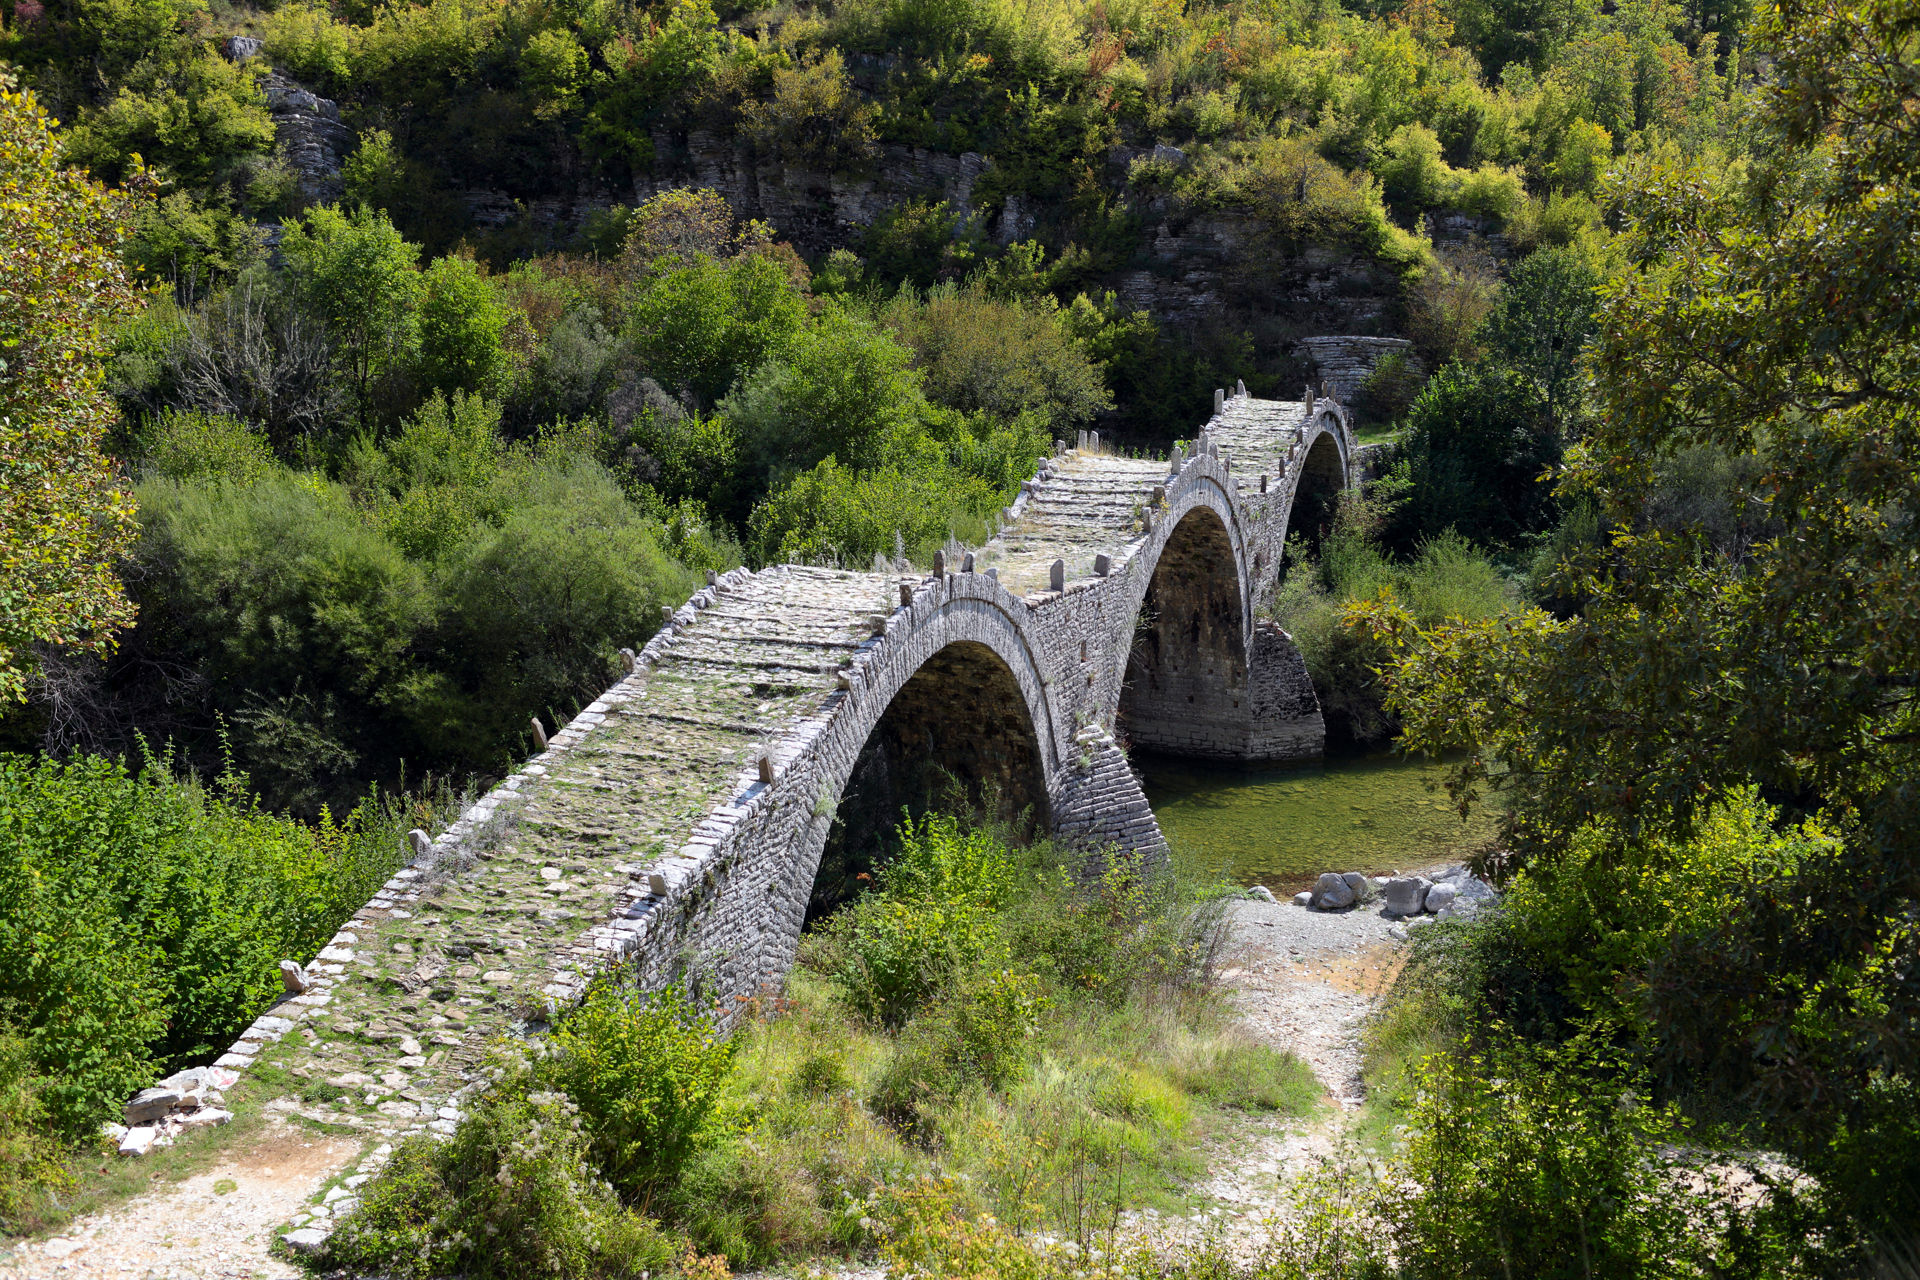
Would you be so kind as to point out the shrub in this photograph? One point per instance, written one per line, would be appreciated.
(842, 388)
(982, 1033)
(647, 1069)
(280, 591)
(901, 949)
(815, 117)
(142, 918)
(533, 611)
(1412, 175)
(896, 957)
(981, 354)
(512, 1194)
(698, 323)
(833, 513)
(191, 113)
(462, 322)
(1491, 192)
(183, 444)
(1444, 578)
(32, 1162)
(1537, 1162)
(305, 41)
(915, 243)
(1479, 440)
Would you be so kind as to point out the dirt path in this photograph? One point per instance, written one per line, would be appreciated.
(191, 1230)
(1304, 983)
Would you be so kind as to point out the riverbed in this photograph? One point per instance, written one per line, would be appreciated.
(1283, 827)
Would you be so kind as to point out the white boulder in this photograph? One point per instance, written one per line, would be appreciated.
(1333, 893)
(1406, 895)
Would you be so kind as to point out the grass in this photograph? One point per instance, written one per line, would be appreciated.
(98, 1178)
(1111, 1110)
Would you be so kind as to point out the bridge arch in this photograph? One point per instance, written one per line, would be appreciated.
(1318, 483)
(960, 721)
(954, 689)
(1186, 666)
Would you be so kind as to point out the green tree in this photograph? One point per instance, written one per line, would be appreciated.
(843, 388)
(63, 517)
(1542, 324)
(196, 116)
(982, 354)
(1525, 31)
(1478, 442)
(1769, 315)
(699, 323)
(462, 320)
(359, 276)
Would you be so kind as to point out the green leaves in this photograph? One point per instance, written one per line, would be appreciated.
(646, 1067)
(142, 918)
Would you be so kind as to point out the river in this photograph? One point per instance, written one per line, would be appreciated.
(1283, 827)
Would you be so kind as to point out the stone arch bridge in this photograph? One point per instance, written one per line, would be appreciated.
(780, 717)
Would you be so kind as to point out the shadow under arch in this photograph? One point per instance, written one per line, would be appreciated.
(958, 730)
(1316, 496)
(1186, 679)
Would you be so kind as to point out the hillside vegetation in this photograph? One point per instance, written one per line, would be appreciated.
(316, 488)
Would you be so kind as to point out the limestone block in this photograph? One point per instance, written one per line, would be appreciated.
(305, 1240)
(151, 1104)
(1332, 893)
(1406, 895)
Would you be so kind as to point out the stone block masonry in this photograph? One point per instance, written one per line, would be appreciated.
(677, 823)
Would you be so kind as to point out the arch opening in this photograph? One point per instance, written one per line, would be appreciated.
(958, 733)
(1317, 496)
(1186, 681)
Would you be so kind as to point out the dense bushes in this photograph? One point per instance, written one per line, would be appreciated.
(416, 611)
(1444, 578)
(143, 917)
(512, 1194)
(647, 1069)
(392, 507)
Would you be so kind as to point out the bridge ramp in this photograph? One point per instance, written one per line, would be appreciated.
(478, 939)
(1081, 505)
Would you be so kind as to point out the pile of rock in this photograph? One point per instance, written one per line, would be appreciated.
(1453, 892)
(185, 1100)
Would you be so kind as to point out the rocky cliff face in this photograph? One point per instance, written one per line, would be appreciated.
(1214, 269)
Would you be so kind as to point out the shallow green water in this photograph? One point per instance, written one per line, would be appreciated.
(1282, 828)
